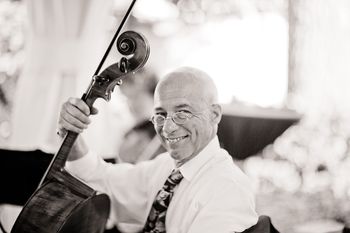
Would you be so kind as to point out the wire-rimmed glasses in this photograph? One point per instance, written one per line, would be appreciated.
(179, 118)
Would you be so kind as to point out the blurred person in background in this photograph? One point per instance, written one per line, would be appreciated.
(140, 142)
(207, 192)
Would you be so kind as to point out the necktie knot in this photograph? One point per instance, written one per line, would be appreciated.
(174, 179)
(176, 176)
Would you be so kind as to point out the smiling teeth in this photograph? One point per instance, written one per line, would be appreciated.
(173, 140)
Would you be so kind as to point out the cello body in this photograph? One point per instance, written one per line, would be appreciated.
(63, 203)
(73, 208)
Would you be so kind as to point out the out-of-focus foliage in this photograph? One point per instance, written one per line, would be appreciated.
(311, 159)
(194, 11)
(309, 163)
(12, 16)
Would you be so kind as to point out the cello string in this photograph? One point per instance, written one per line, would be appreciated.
(115, 37)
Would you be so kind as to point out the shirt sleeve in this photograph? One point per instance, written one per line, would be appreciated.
(127, 186)
(230, 209)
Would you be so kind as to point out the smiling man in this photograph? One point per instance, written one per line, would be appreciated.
(189, 99)
(194, 187)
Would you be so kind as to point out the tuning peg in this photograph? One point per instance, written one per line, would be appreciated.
(123, 65)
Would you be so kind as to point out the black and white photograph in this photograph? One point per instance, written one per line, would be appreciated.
(174, 116)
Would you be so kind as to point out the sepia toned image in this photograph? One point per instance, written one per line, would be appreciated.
(178, 116)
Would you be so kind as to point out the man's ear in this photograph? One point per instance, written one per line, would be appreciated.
(216, 113)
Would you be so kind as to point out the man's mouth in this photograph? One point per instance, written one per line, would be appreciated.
(175, 140)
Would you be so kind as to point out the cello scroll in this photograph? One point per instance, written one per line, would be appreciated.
(136, 50)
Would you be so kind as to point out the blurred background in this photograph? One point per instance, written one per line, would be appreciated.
(281, 67)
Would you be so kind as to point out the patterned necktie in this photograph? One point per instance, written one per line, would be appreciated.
(156, 218)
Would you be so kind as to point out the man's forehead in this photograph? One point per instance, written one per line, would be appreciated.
(173, 106)
(184, 93)
(178, 100)
(178, 85)
(173, 97)
(181, 79)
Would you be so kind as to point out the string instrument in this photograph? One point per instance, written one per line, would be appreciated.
(62, 203)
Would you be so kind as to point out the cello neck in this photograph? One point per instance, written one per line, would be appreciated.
(59, 160)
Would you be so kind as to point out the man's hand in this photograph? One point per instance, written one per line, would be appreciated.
(74, 116)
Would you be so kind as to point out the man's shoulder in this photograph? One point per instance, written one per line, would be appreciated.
(225, 182)
(223, 171)
(163, 159)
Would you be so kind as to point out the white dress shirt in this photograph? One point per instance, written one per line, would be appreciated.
(214, 196)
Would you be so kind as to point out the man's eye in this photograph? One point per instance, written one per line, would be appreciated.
(183, 114)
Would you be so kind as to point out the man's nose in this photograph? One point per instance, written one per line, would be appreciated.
(169, 125)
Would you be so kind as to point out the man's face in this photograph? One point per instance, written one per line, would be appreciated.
(183, 141)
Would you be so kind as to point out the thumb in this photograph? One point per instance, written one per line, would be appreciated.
(94, 111)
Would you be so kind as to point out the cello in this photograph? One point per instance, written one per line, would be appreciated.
(63, 203)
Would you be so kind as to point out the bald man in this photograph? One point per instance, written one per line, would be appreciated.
(192, 188)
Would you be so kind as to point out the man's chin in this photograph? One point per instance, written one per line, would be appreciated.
(180, 157)
(176, 154)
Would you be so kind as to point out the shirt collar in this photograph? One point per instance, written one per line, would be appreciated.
(191, 167)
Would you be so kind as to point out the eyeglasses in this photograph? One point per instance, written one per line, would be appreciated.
(179, 118)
